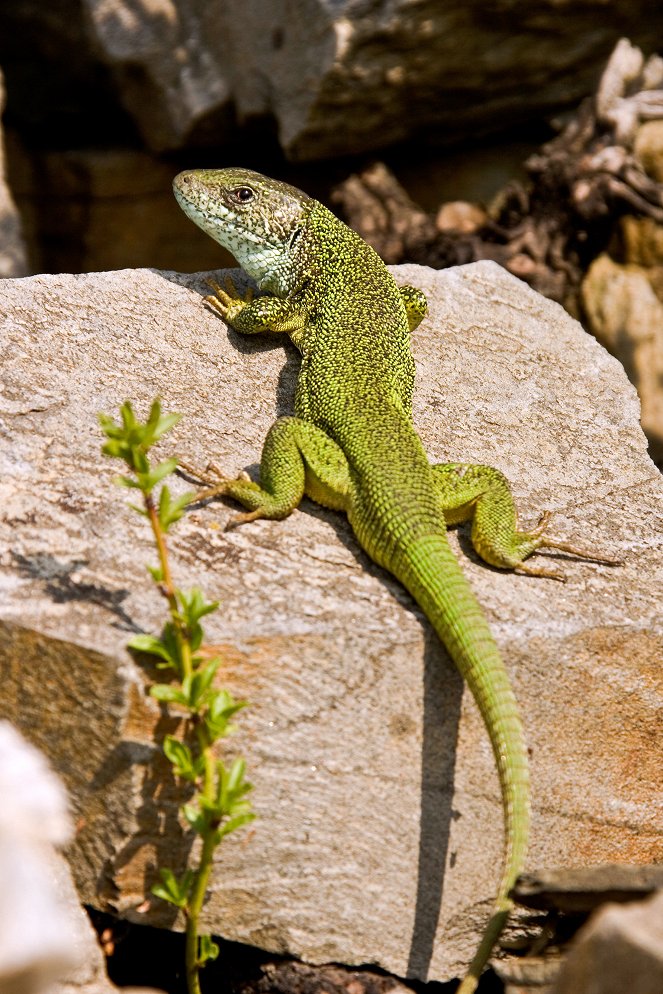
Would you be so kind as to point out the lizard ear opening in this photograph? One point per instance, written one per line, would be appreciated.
(294, 237)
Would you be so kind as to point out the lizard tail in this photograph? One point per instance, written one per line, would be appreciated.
(430, 571)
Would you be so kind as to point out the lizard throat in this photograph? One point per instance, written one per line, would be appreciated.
(255, 254)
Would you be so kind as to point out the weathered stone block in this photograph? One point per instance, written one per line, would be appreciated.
(380, 829)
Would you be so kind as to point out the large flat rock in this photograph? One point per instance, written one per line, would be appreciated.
(380, 828)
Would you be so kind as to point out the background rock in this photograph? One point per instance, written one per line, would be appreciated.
(13, 255)
(170, 62)
(332, 78)
(46, 940)
(621, 949)
(625, 314)
(344, 78)
(379, 834)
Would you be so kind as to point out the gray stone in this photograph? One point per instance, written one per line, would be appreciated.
(581, 889)
(620, 949)
(170, 60)
(342, 78)
(626, 315)
(13, 253)
(47, 943)
(380, 829)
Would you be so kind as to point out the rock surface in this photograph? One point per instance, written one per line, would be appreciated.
(580, 890)
(626, 315)
(170, 60)
(620, 949)
(379, 831)
(344, 78)
(13, 255)
(46, 940)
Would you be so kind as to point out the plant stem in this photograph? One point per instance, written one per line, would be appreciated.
(160, 539)
(168, 586)
(194, 909)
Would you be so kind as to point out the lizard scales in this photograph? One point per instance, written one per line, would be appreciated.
(352, 445)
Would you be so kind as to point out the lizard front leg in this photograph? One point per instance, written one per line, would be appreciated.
(483, 494)
(297, 458)
(252, 315)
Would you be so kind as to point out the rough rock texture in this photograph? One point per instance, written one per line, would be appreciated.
(170, 60)
(343, 78)
(582, 889)
(46, 940)
(379, 834)
(88, 976)
(621, 949)
(13, 255)
(626, 315)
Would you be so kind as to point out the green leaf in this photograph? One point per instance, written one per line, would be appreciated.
(207, 949)
(152, 646)
(180, 756)
(127, 481)
(193, 605)
(166, 692)
(139, 510)
(130, 440)
(171, 509)
(197, 819)
(158, 424)
(233, 824)
(236, 775)
(115, 448)
(196, 686)
(107, 424)
(169, 639)
(128, 420)
(162, 469)
(221, 707)
(205, 675)
(231, 787)
(173, 890)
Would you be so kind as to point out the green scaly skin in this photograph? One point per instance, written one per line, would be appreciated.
(352, 446)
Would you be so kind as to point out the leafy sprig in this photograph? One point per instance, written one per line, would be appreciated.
(220, 804)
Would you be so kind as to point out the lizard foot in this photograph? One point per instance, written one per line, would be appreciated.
(543, 542)
(241, 519)
(228, 303)
(574, 550)
(217, 482)
(529, 570)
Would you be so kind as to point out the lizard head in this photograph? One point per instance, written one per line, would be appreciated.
(256, 218)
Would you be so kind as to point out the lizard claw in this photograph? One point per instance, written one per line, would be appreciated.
(216, 481)
(227, 303)
(550, 574)
(241, 519)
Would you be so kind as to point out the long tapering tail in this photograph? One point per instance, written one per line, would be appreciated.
(430, 571)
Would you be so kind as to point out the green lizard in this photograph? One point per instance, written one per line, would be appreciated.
(351, 445)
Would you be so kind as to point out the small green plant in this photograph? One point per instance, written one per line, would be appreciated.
(219, 804)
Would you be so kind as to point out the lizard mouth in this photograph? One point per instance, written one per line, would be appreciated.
(220, 221)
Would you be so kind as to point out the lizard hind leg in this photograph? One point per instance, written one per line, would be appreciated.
(297, 458)
(415, 303)
(483, 494)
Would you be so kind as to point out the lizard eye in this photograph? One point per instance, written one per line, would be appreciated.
(242, 194)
